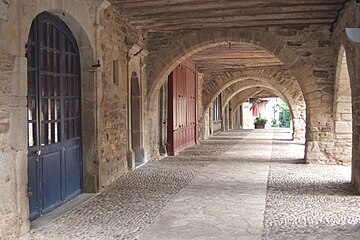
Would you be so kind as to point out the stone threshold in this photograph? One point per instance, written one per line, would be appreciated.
(60, 211)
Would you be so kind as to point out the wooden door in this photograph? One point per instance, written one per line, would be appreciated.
(54, 128)
(182, 107)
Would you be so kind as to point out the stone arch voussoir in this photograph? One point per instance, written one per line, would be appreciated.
(181, 46)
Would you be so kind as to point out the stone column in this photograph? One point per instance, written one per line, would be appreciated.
(135, 63)
(163, 108)
(211, 119)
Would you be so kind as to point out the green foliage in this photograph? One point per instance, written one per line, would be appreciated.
(260, 121)
(284, 115)
(274, 123)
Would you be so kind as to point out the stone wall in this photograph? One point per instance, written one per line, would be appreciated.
(350, 18)
(102, 35)
(15, 21)
(117, 37)
(10, 220)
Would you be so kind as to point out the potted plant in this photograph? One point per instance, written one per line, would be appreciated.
(260, 123)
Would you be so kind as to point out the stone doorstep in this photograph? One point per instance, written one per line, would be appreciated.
(60, 211)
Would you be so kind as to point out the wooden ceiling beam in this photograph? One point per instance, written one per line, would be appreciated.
(221, 67)
(283, 17)
(196, 14)
(247, 24)
(181, 5)
(230, 57)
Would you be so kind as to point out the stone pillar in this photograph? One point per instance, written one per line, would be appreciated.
(205, 130)
(163, 108)
(298, 124)
(211, 120)
(13, 145)
(227, 119)
(223, 118)
(231, 118)
(135, 63)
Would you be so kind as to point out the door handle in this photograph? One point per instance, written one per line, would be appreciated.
(38, 153)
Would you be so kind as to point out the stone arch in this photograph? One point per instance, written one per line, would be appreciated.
(242, 96)
(81, 26)
(171, 48)
(185, 45)
(259, 85)
(238, 85)
(284, 85)
(283, 81)
(296, 105)
(342, 109)
(349, 18)
(239, 99)
(136, 118)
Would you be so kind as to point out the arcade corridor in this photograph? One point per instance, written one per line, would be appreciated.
(244, 184)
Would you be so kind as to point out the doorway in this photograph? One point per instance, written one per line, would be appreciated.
(54, 124)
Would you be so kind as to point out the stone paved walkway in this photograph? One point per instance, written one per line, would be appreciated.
(238, 185)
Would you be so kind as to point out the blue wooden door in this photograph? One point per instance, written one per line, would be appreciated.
(54, 127)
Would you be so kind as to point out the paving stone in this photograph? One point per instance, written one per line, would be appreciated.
(309, 201)
(225, 177)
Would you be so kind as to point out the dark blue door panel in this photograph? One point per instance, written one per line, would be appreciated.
(54, 121)
(33, 187)
(51, 180)
(72, 171)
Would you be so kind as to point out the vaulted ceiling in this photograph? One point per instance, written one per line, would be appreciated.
(186, 15)
(170, 15)
(232, 57)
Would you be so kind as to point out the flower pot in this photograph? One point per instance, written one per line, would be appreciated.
(259, 126)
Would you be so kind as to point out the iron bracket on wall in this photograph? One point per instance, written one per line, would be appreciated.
(96, 65)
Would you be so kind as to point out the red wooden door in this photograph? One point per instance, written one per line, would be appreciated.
(182, 107)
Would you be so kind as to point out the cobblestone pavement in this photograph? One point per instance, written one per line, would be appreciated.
(131, 204)
(301, 201)
(308, 201)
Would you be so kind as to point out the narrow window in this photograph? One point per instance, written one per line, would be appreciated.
(116, 72)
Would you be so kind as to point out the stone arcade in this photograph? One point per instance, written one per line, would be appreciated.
(88, 80)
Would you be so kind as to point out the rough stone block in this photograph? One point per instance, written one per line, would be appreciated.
(4, 127)
(346, 116)
(343, 127)
(320, 73)
(324, 43)
(344, 107)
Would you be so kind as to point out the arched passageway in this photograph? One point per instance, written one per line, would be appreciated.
(297, 107)
(306, 82)
(294, 49)
(278, 81)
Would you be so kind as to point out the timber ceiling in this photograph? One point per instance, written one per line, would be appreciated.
(233, 57)
(174, 15)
